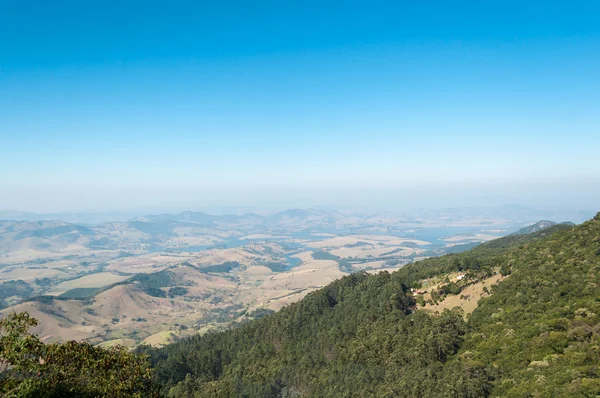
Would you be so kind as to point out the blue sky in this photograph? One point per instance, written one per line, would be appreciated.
(105, 105)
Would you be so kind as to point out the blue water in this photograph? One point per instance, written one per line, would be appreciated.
(293, 262)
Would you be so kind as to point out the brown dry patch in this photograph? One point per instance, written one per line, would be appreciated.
(391, 240)
(160, 339)
(279, 303)
(280, 289)
(377, 271)
(26, 254)
(304, 256)
(471, 296)
(201, 279)
(337, 241)
(467, 238)
(28, 274)
(55, 320)
(365, 251)
(99, 279)
(118, 342)
(135, 265)
(212, 257)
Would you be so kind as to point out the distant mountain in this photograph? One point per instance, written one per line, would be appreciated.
(204, 218)
(36, 235)
(510, 212)
(294, 218)
(539, 226)
(299, 217)
(20, 216)
(76, 218)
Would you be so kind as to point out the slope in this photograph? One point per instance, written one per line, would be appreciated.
(537, 335)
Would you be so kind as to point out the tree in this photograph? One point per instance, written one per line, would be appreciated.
(29, 368)
(450, 288)
(505, 269)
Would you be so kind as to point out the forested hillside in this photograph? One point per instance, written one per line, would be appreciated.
(537, 335)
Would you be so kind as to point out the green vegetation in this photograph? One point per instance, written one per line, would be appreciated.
(154, 291)
(156, 279)
(29, 368)
(225, 267)
(17, 288)
(450, 288)
(177, 291)
(152, 284)
(344, 264)
(44, 282)
(275, 267)
(260, 313)
(79, 293)
(321, 255)
(537, 335)
(101, 243)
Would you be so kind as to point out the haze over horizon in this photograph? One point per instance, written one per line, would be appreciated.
(111, 106)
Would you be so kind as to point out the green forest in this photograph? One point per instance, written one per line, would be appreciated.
(536, 335)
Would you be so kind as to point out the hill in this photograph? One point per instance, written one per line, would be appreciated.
(535, 333)
(538, 226)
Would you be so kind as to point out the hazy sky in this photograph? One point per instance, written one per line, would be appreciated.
(122, 105)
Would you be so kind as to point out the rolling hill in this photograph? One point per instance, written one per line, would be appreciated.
(534, 332)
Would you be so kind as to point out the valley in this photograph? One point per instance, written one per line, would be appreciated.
(158, 278)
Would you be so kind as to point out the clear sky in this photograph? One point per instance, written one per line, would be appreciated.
(129, 104)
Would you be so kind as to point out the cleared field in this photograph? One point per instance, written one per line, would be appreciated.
(471, 296)
(116, 342)
(212, 257)
(337, 241)
(25, 254)
(55, 320)
(160, 339)
(28, 274)
(369, 264)
(278, 303)
(376, 271)
(144, 264)
(100, 279)
(402, 241)
(474, 237)
(387, 239)
(369, 251)
(316, 273)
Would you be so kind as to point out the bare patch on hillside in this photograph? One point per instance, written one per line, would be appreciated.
(468, 297)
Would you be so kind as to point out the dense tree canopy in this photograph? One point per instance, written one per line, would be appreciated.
(29, 368)
(537, 335)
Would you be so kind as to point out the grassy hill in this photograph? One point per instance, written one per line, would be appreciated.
(536, 335)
